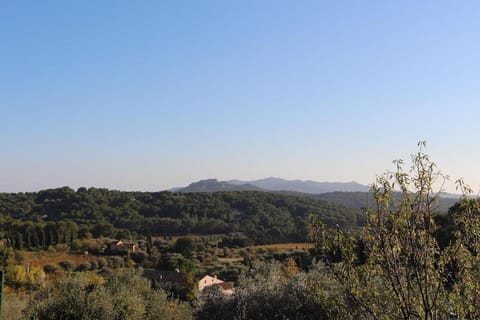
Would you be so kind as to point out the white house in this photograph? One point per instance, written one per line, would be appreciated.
(208, 281)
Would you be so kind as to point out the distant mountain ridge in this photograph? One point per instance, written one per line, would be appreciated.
(348, 194)
(213, 185)
(273, 184)
(304, 186)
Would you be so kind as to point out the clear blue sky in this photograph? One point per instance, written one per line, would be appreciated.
(148, 95)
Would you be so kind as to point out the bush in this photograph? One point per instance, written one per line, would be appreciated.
(19, 256)
(115, 262)
(77, 245)
(227, 253)
(67, 265)
(185, 246)
(125, 295)
(106, 272)
(102, 262)
(61, 247)
(14, 304)
(83, 267)
(93, 265)
(129, 263)
(138, 256)
(51, 249)
(265, 293)
(151, 262)
(50, 269)
(93, 245)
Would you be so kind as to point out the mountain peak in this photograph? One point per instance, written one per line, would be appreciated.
(306, 186)
(214, 185)
(274, 184)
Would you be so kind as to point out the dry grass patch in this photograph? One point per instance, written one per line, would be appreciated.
(284, 246)
(41, 258)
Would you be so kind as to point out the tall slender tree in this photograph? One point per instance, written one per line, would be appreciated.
(395, 268)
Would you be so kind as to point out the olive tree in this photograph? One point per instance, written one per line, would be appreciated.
(269, 290)
(123, 295)
(394, 268)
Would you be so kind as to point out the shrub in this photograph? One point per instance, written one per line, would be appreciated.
(83, 267)
(265, 293)
(14, 304)
(61, 247)
(125, 295)
(51, 249)
(102, 262)
(77, 245)
(67, 265)
(138, 256)
(115, 262)
(93, 265)
(50, 269)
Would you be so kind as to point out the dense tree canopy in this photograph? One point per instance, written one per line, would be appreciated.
(402, 265)
(61, 215)
(124, 295)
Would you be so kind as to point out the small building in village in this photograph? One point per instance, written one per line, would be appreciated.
(209, 281)
(166, 279)
(119, 246)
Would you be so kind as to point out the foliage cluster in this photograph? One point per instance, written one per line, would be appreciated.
(276, 291)
(124, 295)
(398, 267)
(37, 220)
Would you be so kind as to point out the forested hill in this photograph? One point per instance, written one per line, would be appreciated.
(262, 216)
(362, 200)
(213, 185)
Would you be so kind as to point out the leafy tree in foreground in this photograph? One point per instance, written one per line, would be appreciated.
(124, 295)
(395, 268)
(464, 266)
(267, 291)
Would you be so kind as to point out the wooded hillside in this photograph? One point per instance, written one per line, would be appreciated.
(262, 216)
